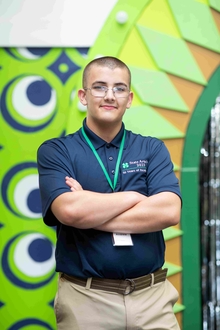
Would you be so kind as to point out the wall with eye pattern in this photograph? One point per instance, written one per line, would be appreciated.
(37, 87)
(172, 49)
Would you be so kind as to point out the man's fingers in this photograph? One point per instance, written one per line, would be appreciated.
(73, 184)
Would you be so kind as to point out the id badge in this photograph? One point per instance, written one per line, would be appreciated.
(122, 239)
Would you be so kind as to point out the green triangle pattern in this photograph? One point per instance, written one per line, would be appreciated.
(145, 59)
(172, 269)
(112, 35)
(172, 55)
(146, 121)
(171, 232)
(178, 308)
(200, 28)
(155, 88)
(159, 17)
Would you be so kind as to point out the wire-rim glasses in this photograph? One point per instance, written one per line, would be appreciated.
(101, 91)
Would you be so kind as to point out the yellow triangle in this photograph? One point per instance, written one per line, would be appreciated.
(140, 56)
(159, 17)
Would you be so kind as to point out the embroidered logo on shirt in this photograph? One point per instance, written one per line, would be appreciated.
(125, 165)
(134, 166)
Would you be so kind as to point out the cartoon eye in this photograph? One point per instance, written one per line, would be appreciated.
(26, 196)
(36, 323)
(29, 322)
(28, 260)
(20, 191)
(26, 54)
(32, 53)
(28, 103)
(33, 98)
(37, 255)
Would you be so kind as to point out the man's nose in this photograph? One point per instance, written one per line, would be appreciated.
(109, 94)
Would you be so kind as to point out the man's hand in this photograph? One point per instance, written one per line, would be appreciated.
(73, 184)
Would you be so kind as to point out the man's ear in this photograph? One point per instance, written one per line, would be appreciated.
(82, 96)
(130, 99)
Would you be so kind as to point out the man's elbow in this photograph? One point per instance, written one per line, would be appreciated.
(173, 218)
(174, 211)
(71, 219)
(66, 217)
(64, 214)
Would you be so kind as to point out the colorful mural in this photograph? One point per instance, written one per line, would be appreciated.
(173, 50)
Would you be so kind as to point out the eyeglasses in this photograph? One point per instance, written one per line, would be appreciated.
(101, 91)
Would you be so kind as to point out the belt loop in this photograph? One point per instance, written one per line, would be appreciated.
(88, 283)
(152, 279)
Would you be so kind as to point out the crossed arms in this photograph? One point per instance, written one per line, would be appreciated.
(124, 212)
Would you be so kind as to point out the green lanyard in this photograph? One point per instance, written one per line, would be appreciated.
(100, 161)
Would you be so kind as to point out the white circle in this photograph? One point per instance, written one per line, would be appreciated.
(26, 264)
(27, 109)
(21, 193)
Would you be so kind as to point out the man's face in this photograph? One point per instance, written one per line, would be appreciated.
(108, 109)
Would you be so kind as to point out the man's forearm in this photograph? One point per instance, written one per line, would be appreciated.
(144, 214)
(152, 214)
(85, 209)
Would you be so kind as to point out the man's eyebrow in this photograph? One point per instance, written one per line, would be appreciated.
(99, 82)
(121, 83)
(105, 83)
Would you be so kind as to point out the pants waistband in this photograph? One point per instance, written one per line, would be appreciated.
(124, 287)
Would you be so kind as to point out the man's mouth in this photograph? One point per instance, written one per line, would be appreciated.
(108, 107)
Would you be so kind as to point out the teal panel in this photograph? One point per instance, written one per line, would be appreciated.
(146, 121)
(215, 4)
(155, 88)
(172, 55)
(197, 25)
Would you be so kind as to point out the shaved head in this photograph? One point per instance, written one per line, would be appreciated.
(106, 61)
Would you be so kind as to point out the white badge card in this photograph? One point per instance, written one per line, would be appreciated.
(122, 239)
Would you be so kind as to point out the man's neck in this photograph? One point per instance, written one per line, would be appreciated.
(106, 132)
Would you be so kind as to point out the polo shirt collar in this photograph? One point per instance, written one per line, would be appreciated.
(98, 142)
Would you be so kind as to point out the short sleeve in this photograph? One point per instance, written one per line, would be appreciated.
(160, 174)
(53, 165)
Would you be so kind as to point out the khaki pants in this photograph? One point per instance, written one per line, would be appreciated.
(78, 308)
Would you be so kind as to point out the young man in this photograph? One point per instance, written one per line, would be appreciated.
(110, 193)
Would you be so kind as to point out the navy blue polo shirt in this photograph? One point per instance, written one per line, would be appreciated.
(145, 168)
